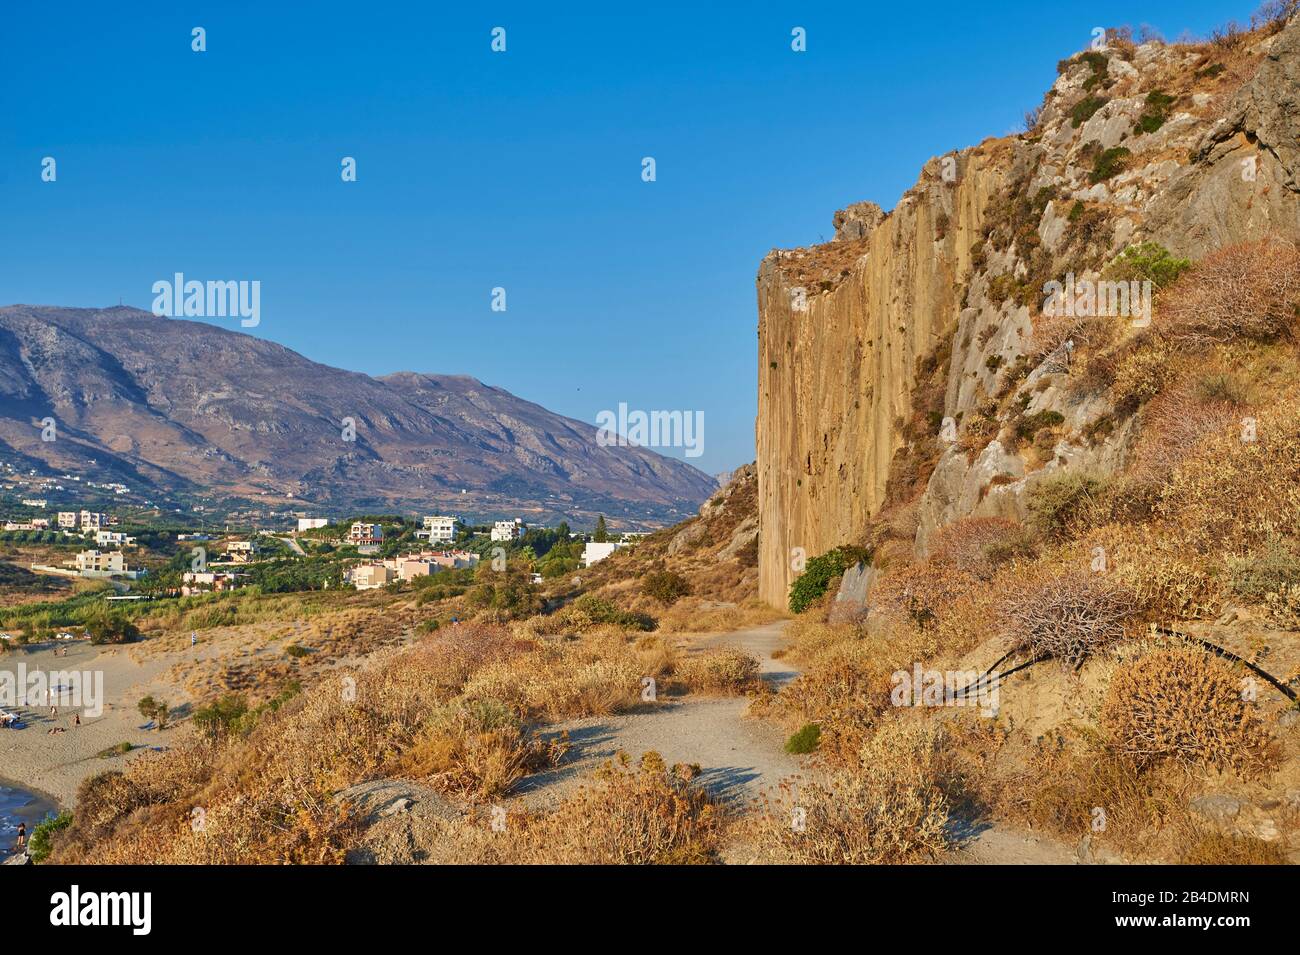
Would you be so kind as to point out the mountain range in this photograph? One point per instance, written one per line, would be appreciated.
(183, 408)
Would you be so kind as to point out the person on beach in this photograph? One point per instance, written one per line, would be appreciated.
(76, 719)
(22, 835)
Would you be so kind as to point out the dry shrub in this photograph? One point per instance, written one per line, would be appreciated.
(719, 670)
(647, 815)
(452, 654)
(1224, 848)
(1183, 704)
(1250, 290)
(920, 592)
(1235, 494)
(1053, 331)
(1067, 616)
(1171, 581)
(1068, 783)
(478, 748)
(597, 675)
(1173, 426)
(847, 679)
(1139, 373)
(888, 808)
(976, 546)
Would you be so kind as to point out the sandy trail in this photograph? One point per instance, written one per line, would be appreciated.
(739, 758)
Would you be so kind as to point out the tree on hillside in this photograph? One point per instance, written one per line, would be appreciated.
(601, 534)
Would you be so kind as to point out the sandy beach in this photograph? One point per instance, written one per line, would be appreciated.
(53, 764)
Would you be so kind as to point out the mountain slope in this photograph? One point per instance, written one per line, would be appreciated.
(189, 406)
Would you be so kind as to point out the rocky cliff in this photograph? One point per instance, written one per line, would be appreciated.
(902, 363)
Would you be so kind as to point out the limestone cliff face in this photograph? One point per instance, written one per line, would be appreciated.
(956, 270)
(840, 331)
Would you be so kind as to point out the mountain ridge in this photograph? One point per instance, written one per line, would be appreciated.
(187, 406)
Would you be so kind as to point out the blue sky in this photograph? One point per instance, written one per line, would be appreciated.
(477, 169)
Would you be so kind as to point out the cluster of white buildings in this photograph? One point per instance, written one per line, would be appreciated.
(407, 567)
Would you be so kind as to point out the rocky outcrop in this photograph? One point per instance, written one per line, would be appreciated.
(955, 273)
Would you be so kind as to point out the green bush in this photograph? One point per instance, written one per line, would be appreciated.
(1149, 261)
(1083, 110)
(804, 740)
(112, 629)
(1157, 111)
(809, 586)
(1055, 501)
(666, 586)
(1109, 162)
(40, 845)
(1267, 571)
(1029, 425)
(222, 717)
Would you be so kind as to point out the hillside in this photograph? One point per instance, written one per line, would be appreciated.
(186, 406)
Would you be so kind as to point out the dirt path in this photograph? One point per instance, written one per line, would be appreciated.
(739, 758)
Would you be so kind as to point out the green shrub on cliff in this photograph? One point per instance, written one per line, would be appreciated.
(809, 586)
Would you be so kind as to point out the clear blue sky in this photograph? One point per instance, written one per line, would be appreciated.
(477, 169)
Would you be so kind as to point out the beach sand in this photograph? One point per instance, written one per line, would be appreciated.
(53, 765)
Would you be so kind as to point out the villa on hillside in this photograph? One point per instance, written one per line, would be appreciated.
(210, 582)
(508, 530)
(363, 534)
(438, 528)
(103, 565)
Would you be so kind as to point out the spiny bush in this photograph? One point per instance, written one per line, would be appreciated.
(1182, 704)
(1069, 616)
(1173, 426)
(1083, 110)
(810, 586)
(889, 808)
(1250, 290)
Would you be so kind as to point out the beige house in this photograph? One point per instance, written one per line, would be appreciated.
(372, 576)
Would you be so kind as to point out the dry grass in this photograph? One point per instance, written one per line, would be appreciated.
(888, 808)
(1250, 290)
(718, 670)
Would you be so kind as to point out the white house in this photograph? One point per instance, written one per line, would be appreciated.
(508, 530)
(93, 520)
(593, 552)
(439, 528)
(363, 533)
(113, 538)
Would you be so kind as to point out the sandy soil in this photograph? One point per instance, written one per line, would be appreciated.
(54, 764)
